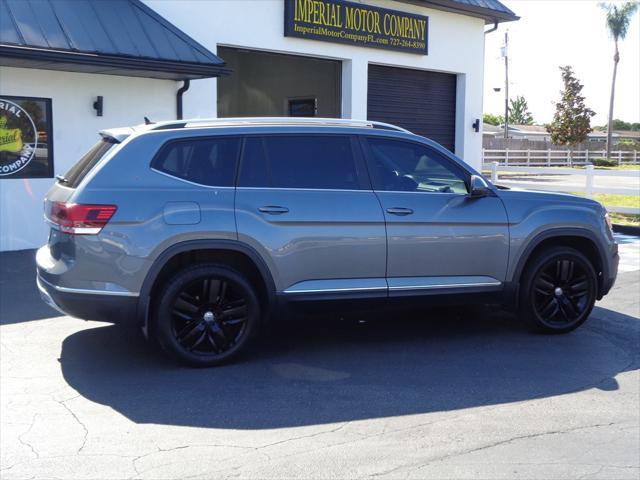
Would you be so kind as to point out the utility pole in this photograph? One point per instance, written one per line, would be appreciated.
(505, 54)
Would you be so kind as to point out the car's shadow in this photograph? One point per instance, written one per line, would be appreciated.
(325, 371)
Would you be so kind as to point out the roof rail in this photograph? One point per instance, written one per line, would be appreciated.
(266, 121)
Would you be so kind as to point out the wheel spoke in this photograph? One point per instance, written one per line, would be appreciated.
(200, 339)
(234, 321)
(234, 311)
(562, 311)
(182, 315)
(218, 337)
(222, 293)
(189, 331)
(185, 306)
(571, 307)
(543, 286)
(550, 308)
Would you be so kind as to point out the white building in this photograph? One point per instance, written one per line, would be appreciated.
(78, 67)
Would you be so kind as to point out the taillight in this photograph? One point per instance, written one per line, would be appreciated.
(80, 219)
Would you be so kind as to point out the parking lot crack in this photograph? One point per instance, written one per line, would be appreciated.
(26, 432)
(423, 464)
(77, 419)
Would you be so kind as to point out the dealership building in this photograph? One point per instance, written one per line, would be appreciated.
(70, 69)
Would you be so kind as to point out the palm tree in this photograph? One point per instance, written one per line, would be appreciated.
(618, 20)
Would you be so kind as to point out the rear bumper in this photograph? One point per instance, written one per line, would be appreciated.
(89, 306)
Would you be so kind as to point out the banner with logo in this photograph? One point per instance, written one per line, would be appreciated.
(356, 24)
(26, 137)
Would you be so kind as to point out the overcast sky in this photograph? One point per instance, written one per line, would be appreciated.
(551, 33)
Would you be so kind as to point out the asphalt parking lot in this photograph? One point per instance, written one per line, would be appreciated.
(458, 393)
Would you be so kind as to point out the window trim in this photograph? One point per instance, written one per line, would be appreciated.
(366, 147)
(170, 141)
(362, 175)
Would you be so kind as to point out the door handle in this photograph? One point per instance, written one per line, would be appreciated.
(399, 211)
(274, 210)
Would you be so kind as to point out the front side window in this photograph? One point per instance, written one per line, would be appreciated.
(299, 161)
(410, 167)
(207, 161)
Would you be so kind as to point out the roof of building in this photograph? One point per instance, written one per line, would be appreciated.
(492, 11)
(118, 37)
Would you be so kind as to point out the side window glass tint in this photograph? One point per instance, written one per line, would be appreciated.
(254, 170)
(322, 162)
(207, 161)
(405, 166)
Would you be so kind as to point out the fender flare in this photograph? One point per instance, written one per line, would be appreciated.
(533, 243)
(189, 245)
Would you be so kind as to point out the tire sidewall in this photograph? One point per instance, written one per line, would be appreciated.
(162, 319)
(527, 307)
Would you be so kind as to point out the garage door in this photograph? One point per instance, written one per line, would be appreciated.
(422, 102)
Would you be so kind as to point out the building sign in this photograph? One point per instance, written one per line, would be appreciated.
(26, 137)
(356, 24)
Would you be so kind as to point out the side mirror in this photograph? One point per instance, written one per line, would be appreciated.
(478, 187)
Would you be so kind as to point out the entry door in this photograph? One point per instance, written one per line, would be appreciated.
(302, 202)
(438, 238)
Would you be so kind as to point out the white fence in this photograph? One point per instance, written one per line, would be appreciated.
(552, 158)
(588, 188)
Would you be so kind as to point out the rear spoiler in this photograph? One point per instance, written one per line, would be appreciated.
(116, 135)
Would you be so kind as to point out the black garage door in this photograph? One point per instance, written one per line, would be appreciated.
(422, 102)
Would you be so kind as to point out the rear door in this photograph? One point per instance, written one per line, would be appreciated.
(438, 238)
(304, 203)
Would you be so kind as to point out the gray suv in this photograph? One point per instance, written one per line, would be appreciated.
(201, 231)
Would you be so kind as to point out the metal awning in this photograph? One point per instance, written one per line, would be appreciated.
(492, 11)
(116, 37)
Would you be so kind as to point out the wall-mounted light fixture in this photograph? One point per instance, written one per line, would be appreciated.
(476, 125)
(97, 105)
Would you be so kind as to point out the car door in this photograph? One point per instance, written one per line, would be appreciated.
(304, 202)
(438, 237)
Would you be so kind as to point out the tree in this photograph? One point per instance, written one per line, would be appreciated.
(618, 20)
(492, 119)
(519, 112)
(572, 121)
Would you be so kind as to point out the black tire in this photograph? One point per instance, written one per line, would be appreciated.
(206, 315)
(558, 290)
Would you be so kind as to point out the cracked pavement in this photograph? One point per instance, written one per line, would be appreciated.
(458, 393)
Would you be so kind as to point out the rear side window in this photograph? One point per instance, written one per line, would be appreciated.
(299, 161)
(206, 161)
(90, 159)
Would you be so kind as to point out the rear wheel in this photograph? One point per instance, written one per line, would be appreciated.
(558, 290)
(207, 315)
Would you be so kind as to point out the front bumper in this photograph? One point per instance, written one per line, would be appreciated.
(612, 273)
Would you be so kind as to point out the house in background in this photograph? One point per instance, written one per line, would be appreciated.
(537, 137)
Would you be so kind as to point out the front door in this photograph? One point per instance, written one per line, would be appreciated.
(304, 203)
(438, 238)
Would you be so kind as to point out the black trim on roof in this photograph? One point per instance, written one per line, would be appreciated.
(21, 57)
(490, 15)
(117, 37)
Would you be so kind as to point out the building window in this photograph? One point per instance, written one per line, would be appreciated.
(26, 137)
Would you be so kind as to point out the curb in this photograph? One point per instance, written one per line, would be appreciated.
(626, 230)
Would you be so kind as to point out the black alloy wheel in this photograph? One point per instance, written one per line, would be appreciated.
(560, 289)
(207, 314)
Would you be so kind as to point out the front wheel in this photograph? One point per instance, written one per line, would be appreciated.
(207, 314)
(558, 290)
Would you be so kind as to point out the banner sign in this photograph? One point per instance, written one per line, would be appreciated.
(26, 137)
(356, 24)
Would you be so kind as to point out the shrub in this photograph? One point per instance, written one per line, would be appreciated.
(603, 162)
